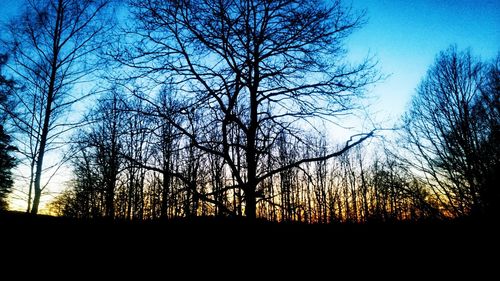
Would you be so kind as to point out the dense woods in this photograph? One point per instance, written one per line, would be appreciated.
(225, 108)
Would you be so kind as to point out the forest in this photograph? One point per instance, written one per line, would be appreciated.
(167, 109)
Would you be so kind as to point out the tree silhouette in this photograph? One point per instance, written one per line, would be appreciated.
(98, 159)
(488, 112)
(452, 129)
(7, 162)
(254, 70)
(51, 42)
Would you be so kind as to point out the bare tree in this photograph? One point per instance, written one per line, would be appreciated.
(487, 110)
(106, 143)
(167, 147)
(256, 68)
(135, 137)
(52, 44)
(450, 127)
(98, 162)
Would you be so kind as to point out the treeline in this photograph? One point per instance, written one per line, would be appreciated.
(443, 163)
(153, 176)
(220, 108)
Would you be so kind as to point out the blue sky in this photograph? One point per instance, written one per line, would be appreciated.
(406, 35)
(8, 8)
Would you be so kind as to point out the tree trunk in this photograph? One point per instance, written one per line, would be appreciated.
(48, 111)
(250, 202)
(165, 191)
(41, 153)
(32, 175)
(251, 147)
(251, 155)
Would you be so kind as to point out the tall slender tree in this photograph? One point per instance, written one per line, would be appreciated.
(52, 45)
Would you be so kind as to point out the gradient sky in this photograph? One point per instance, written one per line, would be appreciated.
(405, 36)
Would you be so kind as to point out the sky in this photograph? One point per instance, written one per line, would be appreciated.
(405, 36)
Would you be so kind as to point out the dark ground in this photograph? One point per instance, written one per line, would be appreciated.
(259, 232)
(232, 244)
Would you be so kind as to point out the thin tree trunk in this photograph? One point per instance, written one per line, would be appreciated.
(32, 174)
(48, 111)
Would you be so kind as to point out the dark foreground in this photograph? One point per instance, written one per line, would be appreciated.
(207, 230)
(224, 243)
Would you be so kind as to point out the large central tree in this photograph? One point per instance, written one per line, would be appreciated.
(254, 70)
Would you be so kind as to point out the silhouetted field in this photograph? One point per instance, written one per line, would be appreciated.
(225, 243)
(259, 231)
